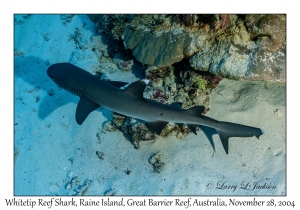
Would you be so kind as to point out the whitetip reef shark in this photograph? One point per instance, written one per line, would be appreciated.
(130, 102)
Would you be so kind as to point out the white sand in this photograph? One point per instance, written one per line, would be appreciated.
(51, 149)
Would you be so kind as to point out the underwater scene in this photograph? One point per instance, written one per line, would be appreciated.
(144, 105)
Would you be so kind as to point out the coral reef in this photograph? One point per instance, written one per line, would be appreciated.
(271, 30)
(135, 130)
(199, 82)
(105, 54)
(155, 161)
(228, 56)
(159, 49)
(185, 94)
(163, 88)
(255, 49)
(110, 24)
(225, 21)
(186, 56)
(123, 61)
(267, 65)
(76, 37)
(240, 46)
(268, 60)
(185, 19)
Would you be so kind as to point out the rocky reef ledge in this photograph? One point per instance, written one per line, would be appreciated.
(251, 47)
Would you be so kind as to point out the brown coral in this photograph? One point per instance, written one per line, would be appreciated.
(186, 19)
(162, 49)
(271, 30)
(225, 21)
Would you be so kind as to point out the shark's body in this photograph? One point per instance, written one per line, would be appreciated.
(94, 93)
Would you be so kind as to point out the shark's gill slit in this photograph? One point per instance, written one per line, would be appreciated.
(76, 92)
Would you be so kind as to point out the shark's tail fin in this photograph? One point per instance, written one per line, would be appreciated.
(227, 130)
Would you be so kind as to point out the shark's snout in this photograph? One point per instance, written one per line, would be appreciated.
(58, 74)
(54, 71)
(59, 71)
(66, 76)
(50, 71)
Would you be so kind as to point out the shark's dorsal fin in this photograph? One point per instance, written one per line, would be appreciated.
(117, 83)
(157, 126)
(196, 110)
(84, 108)
(136, 89)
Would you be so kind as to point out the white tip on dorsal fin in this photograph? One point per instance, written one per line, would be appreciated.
(118, 84)
(146, 81)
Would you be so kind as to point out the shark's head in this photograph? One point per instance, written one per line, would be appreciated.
(60, 74)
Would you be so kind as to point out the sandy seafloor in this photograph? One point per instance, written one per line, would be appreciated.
(51, 148)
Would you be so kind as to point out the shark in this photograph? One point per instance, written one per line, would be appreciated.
(130, 102)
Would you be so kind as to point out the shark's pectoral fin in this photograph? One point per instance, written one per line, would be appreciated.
(192, 128)
(224, 139)
(84, 108)
(136, 89)
(157, 126)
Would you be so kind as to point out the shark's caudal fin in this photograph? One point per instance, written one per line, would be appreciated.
(228, 130)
